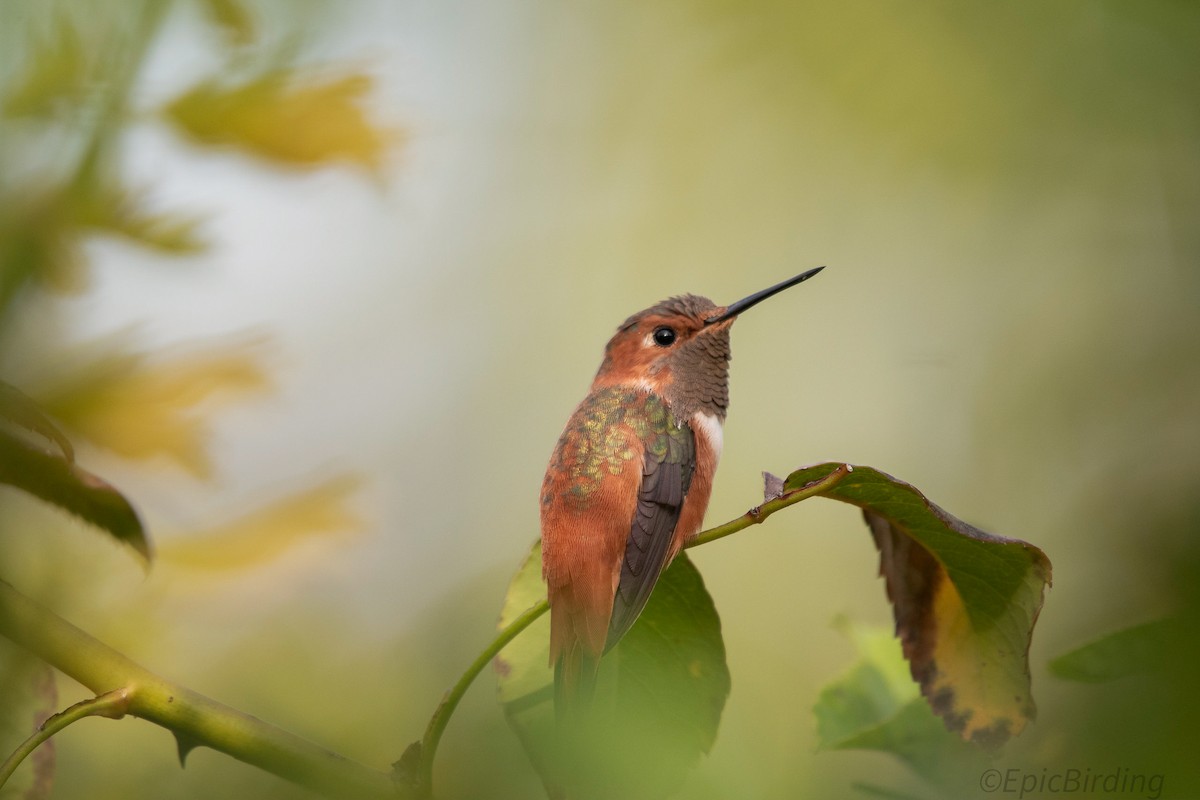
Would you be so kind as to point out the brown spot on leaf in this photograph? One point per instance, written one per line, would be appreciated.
(993, 736)
(943, 702)
(502, 667)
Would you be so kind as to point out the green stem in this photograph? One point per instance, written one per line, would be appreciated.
(112, 704)
(437, 724)
(193, 718)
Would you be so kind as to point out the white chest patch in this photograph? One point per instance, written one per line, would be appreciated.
(710, 427)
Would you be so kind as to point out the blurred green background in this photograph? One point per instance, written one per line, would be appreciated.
(318, 284)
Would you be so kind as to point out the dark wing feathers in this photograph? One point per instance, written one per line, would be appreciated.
(666, 474)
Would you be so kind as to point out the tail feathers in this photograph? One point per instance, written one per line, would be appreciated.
(574, 681)
(579, 617)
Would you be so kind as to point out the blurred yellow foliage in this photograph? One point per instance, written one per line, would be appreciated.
(117, 209)
(39, 239)
(42, 230)
(140, 409)
(286, 117)
(56, 69)
(233, 18)
(269, 532)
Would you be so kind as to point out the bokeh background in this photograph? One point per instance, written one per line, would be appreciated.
(317, 284)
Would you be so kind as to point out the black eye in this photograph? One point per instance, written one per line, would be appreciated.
(664, 336)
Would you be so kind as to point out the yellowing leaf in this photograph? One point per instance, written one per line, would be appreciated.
(267, 533)
(286, 117)
(141, 409)
(965, 602)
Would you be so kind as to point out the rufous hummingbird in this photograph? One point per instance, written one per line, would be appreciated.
(631, 475)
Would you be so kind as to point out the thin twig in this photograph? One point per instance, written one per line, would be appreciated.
(112, 704)
(437, 724)
(758, 514)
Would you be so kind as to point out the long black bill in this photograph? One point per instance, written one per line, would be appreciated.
(756, 298)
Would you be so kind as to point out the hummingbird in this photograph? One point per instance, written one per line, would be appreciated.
(630, 478)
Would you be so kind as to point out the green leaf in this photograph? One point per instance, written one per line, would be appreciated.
(56, 480)
(871, 693)
(660, 692)
(876, 706)
(23, 412)
(1130, 651)
(965, 602)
